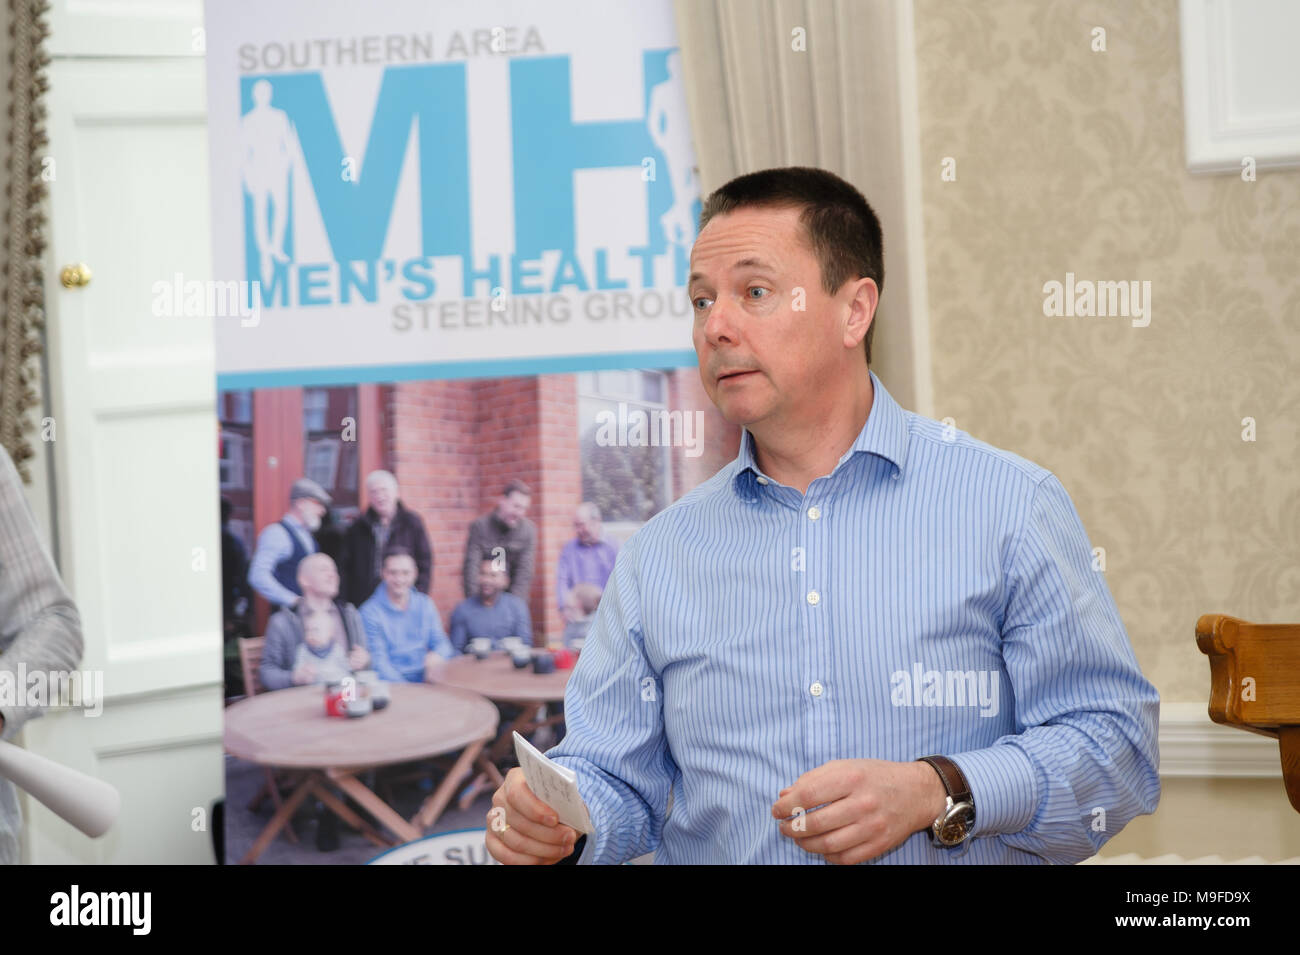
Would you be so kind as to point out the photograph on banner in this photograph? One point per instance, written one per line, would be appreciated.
(366, 527)
(455, 375)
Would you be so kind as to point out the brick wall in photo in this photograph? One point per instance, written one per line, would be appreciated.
(453, 445)
(432, 448)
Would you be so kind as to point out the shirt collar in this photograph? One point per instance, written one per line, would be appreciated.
(884, 435)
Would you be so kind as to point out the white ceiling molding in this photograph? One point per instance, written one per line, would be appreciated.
(1241, 84)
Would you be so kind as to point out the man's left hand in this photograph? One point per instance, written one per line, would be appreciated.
(867, 807)
(358, 657)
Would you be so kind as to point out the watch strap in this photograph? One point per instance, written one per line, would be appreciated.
(953, 779)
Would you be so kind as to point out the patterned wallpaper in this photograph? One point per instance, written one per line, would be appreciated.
(1070, 160)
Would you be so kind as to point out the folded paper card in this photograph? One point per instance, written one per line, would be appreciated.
(553, 784)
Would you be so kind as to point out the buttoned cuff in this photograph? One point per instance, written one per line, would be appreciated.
(605, 807)
(1004, 786)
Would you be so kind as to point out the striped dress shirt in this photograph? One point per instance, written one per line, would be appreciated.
(40, 632)
(931, 595)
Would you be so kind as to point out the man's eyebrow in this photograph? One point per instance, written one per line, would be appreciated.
(748, 262)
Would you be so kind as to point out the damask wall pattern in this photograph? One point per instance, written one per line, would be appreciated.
(1061, 159)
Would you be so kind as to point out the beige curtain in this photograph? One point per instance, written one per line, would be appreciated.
(22, 41)
(808, 83)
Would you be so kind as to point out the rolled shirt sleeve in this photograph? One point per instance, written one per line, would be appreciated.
(615, 741)
(39, 624)
(1084, 760)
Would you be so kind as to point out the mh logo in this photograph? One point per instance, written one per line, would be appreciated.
(420, 118)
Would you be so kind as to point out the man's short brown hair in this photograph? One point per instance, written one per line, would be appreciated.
(517, 487)
(395, 550)
(842, 227)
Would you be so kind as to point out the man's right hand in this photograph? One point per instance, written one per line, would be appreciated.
(304, 674)
(523, 830)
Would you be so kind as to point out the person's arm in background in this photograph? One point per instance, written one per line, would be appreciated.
(423, 554)
(377, 644)
(273, 546)
(522, 625)
(276, 669)
(1088, 718)
(565, 577)
(438, 642)
(349, 587)
(234, 566)
(613, 556)
(354, 633)
(521, 577)
(459, 629)
(473, 558)
(614, 739)
(39, 624)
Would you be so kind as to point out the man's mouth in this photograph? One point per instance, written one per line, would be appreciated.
(730, 375)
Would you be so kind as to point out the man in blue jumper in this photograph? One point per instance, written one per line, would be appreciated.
(493, 612)
(403, 629)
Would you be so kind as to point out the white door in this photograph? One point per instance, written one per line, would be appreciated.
(133, 399)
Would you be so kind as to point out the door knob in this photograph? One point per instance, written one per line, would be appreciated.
(75, 276)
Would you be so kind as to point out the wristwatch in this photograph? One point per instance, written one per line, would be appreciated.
(954, 826)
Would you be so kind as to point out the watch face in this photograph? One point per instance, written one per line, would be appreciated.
(957, 824)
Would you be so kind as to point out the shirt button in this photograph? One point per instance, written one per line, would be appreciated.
(815, 689)
(814, 512)
(814, 597)
(762, 480)
(896, 475)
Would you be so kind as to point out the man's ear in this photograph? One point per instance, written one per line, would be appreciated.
(862, 311)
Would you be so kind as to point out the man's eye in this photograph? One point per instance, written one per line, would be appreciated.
(696, 302)
(757, 288)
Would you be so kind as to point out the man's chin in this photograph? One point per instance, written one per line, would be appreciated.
(741, 413)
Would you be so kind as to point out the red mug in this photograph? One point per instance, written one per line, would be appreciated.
(335, 702)
(563, 658)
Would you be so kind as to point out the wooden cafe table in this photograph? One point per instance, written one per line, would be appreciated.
(499, 680)
(289, 729)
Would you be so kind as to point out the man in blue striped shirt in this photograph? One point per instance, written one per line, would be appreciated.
(860, 590)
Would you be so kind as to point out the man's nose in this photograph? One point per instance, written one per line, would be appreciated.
(720, 325)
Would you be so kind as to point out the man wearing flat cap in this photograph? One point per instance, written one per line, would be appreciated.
(273, 572)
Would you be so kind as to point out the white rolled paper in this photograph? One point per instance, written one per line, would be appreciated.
(88, 803)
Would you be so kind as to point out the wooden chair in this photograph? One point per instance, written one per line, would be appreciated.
(1255, 683)
(250, 662)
